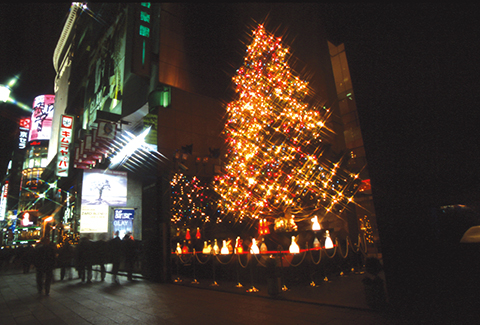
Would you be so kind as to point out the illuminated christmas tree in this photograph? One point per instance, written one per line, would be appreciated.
(279, 159)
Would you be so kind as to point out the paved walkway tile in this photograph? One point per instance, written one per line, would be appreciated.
(72, 302)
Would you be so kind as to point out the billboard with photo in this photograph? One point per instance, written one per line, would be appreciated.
(100, 190)
(104, 187)
(42, 115)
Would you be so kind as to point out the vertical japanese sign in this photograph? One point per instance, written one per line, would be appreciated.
(64, 140)
(3, 201)
(24, 127)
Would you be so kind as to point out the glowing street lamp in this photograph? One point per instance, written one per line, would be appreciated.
(4, 93)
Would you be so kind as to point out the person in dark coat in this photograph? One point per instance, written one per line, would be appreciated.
(129, 255)
(44, 263)
(84, 259)
(27, 258)
(101, 252)
(65, 257)
(116, 253)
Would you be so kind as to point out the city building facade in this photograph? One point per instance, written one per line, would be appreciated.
(140, 97)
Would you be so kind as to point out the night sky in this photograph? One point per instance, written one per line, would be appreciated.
(415, 72)
(28, 35)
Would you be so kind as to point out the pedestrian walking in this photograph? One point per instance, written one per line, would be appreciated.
(84, 259)
(44, 263)
(129, 255)
(64, 260)
(116, 253)
(101, 257)
(27, 258)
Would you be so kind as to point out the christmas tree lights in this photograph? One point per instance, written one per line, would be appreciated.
(279, 158)
(192, 204)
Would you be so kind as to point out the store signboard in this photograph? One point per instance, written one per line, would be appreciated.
(64, 141)
(24, 128)
(94, 218)
(123, 221)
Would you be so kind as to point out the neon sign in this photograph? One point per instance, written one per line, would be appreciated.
(42, 115)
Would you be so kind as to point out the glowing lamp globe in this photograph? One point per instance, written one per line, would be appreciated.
(216, 250)
(316, 225)
(294, 249)
(254, 249)
(224, 250)
(207, 249)
(328, 240)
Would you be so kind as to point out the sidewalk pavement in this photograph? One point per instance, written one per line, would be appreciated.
(144, 302)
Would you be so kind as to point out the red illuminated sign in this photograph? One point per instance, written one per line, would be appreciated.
(24, 127)
(25, 123)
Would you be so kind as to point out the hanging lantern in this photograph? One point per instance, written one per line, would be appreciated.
(261, 228)
(266, 229)
(328, 240)
(198, 234)
(316, 225)
(178, 250)
(254, 248)
(187, 235)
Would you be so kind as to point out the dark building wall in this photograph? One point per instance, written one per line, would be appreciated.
(193, 120)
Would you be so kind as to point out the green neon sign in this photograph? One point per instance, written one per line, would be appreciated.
(144, 31)
(145, 16)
